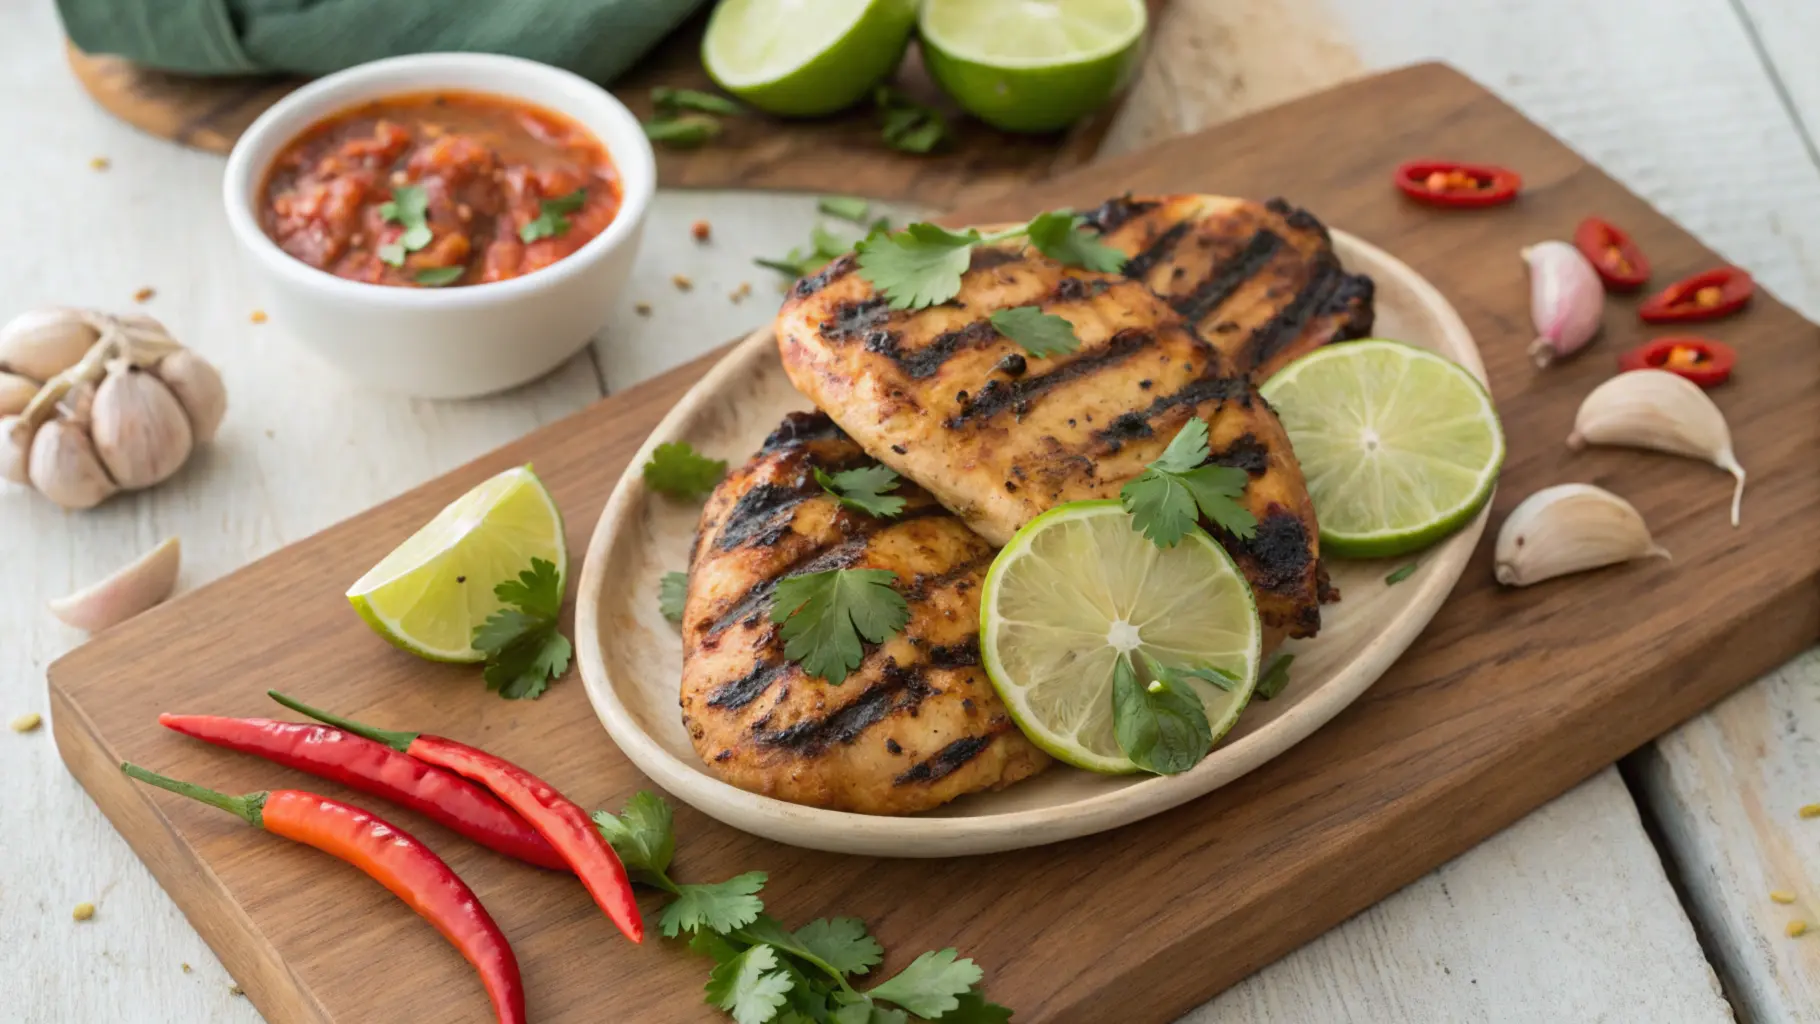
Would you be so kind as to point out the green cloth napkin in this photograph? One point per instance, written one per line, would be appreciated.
(595, 38)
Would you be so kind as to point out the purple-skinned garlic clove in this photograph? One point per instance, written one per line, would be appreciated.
(1566, 300)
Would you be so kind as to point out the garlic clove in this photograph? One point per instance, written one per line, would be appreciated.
(1569, 528)
(1663, 412)
(198, 389)
(78, 404)
(126, 593)
(15, 449)
(64, 467)
(42, 343)
(1566, 300)
(141, 432)
(15, 393)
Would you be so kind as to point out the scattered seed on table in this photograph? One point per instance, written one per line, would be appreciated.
(83, 911)
(1810, 811)
(27, 722)
(682, 282)
(100, 163)
(1796, 929)
(186, 968)
(236, 990)
(1782, 896)
(642, 308)
(738, 294)
(700, 230)
(144, 294)
(258, 316)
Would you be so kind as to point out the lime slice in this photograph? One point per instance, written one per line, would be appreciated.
(1032, 65)
(1076, 586)
(804, 58)
(431, 591)
(1400, 446)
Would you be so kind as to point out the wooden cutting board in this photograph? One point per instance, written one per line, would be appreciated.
(1509, 698)
(841, 154)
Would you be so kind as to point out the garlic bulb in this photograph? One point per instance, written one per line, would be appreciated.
(1566, 300)
(1569, 528)
(64, 467)
(198, 389)
(42, 343)
(121, 405)
(126, 593)
(1658, 410)
(140, 430)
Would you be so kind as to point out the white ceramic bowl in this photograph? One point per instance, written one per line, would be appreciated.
(450, 342)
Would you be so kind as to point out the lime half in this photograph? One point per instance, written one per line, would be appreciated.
(1400, 446)
(431, 591)
(804, 58)
(1032, 65)
(1074, 589)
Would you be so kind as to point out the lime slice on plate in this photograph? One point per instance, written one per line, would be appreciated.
(1400, 446)
(803, 58)
(431, 591)
(1075, 587)
(1032, 65)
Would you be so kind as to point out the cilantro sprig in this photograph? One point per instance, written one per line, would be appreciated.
(678, 470)
(1163, 500)
(1275, 678)
(765, 973)
(824, 245)
(826, 616)
(408, 207)
(1160, 725)
(553, 216)
(922, 264)
(524, 649)
(909, 126)
(865, 488)
(1039, 333)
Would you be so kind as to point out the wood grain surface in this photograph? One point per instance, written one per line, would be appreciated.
(1509, 699)
(842, 153)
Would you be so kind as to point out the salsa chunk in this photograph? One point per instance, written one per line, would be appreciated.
(439, 189)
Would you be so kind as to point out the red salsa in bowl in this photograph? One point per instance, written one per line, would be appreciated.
(439, 189)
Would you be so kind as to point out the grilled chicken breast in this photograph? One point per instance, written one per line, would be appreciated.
(1258, 280)
(918, 723)
(998, 435)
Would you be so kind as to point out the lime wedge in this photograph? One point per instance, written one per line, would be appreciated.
(431, 591)
(1032, 65)
(1400, 447)
(804, 58)
(1077, 586)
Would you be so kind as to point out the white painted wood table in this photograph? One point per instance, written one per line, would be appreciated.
(1709, 108)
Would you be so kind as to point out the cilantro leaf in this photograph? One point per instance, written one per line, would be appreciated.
(717, 906)
(668, 101)
(749, 986)
(855, 1013)
(842, 943)
(931, 985)
(1400, 575)
(1162, 727)
(553, 216)
(918, 266)
(1039, 333)
(825, 615)
(676, 469)
(1163, 500)
(909, 126)
(974, 1009)
(864, 489)
(436, 277)
(845, 207)
(886, 1015)
(717, 947)
(1275, 678)
(682, 130)
(537, 590)
(643, 835)
(503, 627)
(1064, 237)
(1206, 673)
(392, 254)
(408, 207)
(524, 668)
(523, 647)
(671, 595)
(824, 245)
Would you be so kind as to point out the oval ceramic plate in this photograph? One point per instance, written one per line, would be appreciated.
(631, 658)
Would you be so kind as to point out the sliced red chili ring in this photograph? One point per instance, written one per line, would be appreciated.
(1706, 362)
(1446, 183)
(1705, 296)
(1621, 265)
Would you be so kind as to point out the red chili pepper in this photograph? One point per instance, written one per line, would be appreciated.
(391, 857)
(1444, 183)
(1621, 265)
(1705, 362)
(359, 763)
(556, 817)
(1705, 296)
